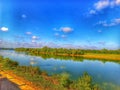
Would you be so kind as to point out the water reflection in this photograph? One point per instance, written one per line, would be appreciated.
(62, 66)
(32, 61)
(107, 72)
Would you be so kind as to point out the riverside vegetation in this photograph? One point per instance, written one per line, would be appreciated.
(103, 54)
(43, 80)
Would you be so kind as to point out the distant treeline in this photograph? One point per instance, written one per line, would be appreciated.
(54, 51)
(6, 48)
(64, 51)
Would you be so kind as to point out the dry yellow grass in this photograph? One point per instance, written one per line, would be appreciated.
(115, 57)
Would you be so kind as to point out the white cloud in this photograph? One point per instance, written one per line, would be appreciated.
(117, 2)
(101, 4)
(0, 40)
(102, 22)
(4, 29)
(66, 29)
(109, 24)
(33, 41)
(113, 22)
(29, 33)
(63, 32)
(117, 20)
(35, 37)
(92, 12)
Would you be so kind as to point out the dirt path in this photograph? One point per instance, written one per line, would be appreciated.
(5, 84)
(22, 84)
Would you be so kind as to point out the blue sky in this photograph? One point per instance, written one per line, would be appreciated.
(84, 24)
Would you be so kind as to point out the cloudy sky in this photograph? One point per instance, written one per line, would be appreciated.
(93, 24)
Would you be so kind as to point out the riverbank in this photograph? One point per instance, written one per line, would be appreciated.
(92, 56)
(9, 75)
(102, 54)
(32, 78)
(114, 57)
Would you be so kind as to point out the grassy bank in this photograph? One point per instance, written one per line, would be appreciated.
(89, 56)
(103, 54)
(110, 57)
(41, 80)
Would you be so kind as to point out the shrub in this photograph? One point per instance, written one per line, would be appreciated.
(10, 63)
(1, 58)
(64, 80)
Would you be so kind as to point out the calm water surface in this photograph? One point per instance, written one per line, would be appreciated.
(102, 72)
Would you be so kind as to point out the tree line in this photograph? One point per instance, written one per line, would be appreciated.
(54, 51)
(64, 51)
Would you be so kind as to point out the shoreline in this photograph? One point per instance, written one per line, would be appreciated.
(107, 57)
(103, 54)
(110, 57)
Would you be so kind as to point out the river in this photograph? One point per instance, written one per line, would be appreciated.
(105, 73)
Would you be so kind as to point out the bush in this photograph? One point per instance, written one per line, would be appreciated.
(64, 80)
(1, 58)
(84, 83)
(10, 63)
(30, 69)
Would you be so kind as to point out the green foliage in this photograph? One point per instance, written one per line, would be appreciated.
(102, 51)
(74, 54)
(64, 51)
(52, 51)
(10, 63)
(32, 70)
(64, 80)
(1, 58)
(84, 83)
(109, 86)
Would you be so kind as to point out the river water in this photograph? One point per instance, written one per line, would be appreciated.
(105, 73)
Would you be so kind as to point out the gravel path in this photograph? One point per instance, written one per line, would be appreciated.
(5, 84)
(9, 81)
